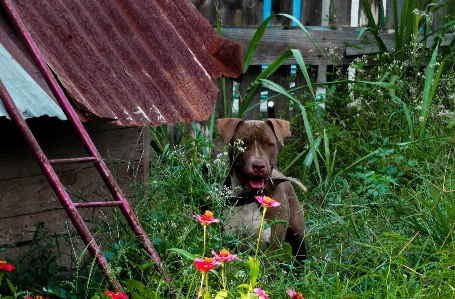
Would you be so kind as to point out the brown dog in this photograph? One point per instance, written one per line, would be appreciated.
(254, 173)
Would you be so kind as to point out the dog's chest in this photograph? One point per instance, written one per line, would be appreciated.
(245, 221)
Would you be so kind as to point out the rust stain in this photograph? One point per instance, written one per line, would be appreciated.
(133, 62)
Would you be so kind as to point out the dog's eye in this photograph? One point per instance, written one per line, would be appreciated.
(270, 144)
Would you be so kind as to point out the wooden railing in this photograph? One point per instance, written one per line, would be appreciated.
(334, 26)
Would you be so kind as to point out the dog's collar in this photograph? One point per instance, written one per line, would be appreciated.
(249, 197)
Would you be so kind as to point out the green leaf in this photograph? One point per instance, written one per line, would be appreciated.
(255, 43)
(184, 253)
(255, 86)
(207, 295)
(11, 286)
(109, 255)
(135, 284)
(429, 85)
(95, 297)
(135, 295)
(242, 295)
(300, 61)
(221, 294)
(254, 270)
(275, 87)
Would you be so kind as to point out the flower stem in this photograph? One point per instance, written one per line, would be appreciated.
(191, 284)
(264, 209)
(201, 289)
(205, 238)
(207, 282)
(223, 278)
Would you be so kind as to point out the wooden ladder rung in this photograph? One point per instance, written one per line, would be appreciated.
(72, 160)
(97, 204)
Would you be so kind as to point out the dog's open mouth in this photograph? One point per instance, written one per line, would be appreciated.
(253, 182)
(256, 183)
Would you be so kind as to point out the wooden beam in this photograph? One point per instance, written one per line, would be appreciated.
(276, 40)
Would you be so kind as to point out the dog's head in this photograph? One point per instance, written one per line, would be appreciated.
(252, 167)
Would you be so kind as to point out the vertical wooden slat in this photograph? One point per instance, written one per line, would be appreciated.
(340, 13)
(282, 6)
(389, 16)
(252, 12)
(325, 10)
(354, 20)
(281, 77)
(311, 13)
(250, 76)
(207, 9)
(228, 12)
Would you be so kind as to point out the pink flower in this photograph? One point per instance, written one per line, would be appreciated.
(207, 218)
(294, 295)
(267, 202)
(206, 264)
(4, 266)
(116, 295)
(224, 256)
(260, 293)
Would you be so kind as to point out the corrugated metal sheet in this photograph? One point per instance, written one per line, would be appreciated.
(28, 96)
(132, 62)
(24, 82)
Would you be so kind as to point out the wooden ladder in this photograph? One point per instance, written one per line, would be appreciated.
(94, 156)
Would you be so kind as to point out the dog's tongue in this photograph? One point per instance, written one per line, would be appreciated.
(257, 183)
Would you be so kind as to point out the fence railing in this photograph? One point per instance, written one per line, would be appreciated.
(334, 26)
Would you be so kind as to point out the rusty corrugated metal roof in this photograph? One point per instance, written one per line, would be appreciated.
(132, 62)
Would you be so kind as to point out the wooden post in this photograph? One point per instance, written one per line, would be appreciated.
(281, 77)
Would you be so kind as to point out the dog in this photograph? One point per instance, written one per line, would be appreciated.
(253, 172)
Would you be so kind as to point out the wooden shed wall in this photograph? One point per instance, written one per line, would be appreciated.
(26, 197)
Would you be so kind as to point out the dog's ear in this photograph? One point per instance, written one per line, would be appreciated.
(226, 128)
(280, 127)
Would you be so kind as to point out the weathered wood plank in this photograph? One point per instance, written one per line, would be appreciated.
(281, 77)
(229, 11)
(58, 140)
(282, 7)
(340, 14)
(311, 13)
(275, 41)
(252, 12)
(34, 194)
(207, 9)
(250, 76)
(22, 228)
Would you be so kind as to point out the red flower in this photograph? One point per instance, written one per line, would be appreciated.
(207, 218)
(260, 293)
(4, 266)
(206, 264)
(116, 295)
(224, 256)
(267, 202)
(294, 295)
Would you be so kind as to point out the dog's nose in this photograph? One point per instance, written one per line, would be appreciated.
(259, 167)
